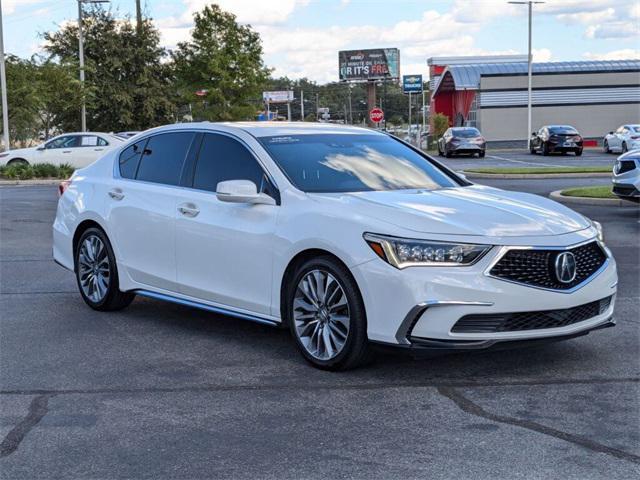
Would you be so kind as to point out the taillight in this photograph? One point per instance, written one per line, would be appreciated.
(62, 187)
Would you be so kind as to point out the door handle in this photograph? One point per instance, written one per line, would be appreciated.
(66, 151)
(189, 210)
(116, 194)
(98, 149)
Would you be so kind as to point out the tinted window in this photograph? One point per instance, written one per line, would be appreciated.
(102, 142)
(68, 141)
(223, 158)
(352, 163)
(129, 159)
(466, 132)
(563, 129)
(164, 156)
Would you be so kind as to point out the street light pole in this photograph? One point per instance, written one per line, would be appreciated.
(3, 81)
(529, 69)
(83, 112)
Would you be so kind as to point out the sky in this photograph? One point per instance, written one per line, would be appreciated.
(301, 38)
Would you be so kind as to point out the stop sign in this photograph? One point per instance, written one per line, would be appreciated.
(376, 115)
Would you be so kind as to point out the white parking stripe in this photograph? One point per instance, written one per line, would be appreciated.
(521, 161)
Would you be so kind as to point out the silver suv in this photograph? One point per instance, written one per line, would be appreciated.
(626, 176)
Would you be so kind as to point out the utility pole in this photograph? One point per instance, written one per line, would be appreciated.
(138, 18)
(301, 105)
(350, 109)
(529, 69)
(3, 81)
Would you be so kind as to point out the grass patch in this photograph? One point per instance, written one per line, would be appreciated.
(38, 170)
(539, 170)
(601, 191)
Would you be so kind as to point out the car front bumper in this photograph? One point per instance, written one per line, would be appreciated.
(419, 306)
(627, 184)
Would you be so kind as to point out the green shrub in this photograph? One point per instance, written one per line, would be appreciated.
(18, 172)
(440, 125)
(45, 170)
(65, 171)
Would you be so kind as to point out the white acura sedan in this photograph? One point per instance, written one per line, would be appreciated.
(348, 237)
(75, 149)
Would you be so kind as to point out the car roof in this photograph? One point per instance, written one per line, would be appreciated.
(274, 129)
(561, 126)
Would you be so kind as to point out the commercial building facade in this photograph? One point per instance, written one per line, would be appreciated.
(490, 93)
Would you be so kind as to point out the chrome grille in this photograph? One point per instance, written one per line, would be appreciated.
(535, 267)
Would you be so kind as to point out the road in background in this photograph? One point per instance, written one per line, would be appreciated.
(164, 391)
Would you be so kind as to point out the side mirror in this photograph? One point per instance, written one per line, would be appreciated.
(462, 176)
(41, 147)
(242, 191)
(533, 134)
(611, 133)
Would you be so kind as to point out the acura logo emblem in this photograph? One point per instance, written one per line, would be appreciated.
(566, 267)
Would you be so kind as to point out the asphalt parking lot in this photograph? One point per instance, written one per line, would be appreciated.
(522, 158)
(164, 391)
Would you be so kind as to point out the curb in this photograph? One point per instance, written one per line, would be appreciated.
(537, 175)
(608, 202)
(29, 183)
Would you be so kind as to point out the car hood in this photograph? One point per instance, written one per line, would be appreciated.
(473, 210)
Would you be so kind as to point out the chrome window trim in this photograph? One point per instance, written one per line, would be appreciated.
(502, 251)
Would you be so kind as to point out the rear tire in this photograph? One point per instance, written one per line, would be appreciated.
(326, 315)
(17, 161)
(545, 149)
(625, 149)
(578, 153)
(97, 273)
(605, 147)
(481, 154)
(447, 153)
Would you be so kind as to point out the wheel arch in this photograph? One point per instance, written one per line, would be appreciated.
(299, 258)
(17, 160)
(82, 227)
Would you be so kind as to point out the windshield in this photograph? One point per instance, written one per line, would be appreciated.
(636, 128)
(352, 163)
(563, 130)
(465, 132)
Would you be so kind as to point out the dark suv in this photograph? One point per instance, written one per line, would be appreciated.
(556, 138)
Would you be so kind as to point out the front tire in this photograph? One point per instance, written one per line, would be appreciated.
(481, 154)
(326, 315)
(605, 147)
(545, 149)
(578, 152)
(625, 149)
(97, 273)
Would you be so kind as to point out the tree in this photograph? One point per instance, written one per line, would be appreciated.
(128, 83)
(223, 60)
(58, 96)
(440, 124)
(22, 100)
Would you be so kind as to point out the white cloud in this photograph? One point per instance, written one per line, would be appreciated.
(587, 18)
(9, 6)
(613, 30)
(541, 55)
(623, 54)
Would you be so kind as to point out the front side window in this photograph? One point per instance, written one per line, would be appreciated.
(353, 163)
(68, 141)
(223, 158)
(164, 156)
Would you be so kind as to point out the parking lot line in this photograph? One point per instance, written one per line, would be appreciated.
(520, 161)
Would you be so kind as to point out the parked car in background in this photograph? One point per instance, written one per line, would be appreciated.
(75, 149)
(127, 135)
(625, 138)
(556, 138)
(462, 140)
(344, 235)
(626, 176)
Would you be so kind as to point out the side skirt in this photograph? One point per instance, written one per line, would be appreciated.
(209, 308)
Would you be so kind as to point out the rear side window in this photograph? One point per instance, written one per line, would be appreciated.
(223, 158)
(163, 157)
(130, 158)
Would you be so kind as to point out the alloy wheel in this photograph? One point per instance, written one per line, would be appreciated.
(94, 271)
(321, 314)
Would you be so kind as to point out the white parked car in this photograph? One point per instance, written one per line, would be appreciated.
(347, 236)
(626, 176)
(75, 149)
(625, 138)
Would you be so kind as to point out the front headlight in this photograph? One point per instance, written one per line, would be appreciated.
(599, 229)
(407, 252)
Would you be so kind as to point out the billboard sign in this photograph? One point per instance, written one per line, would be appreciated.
(283, 96)
(412, 83)
(366, 65)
